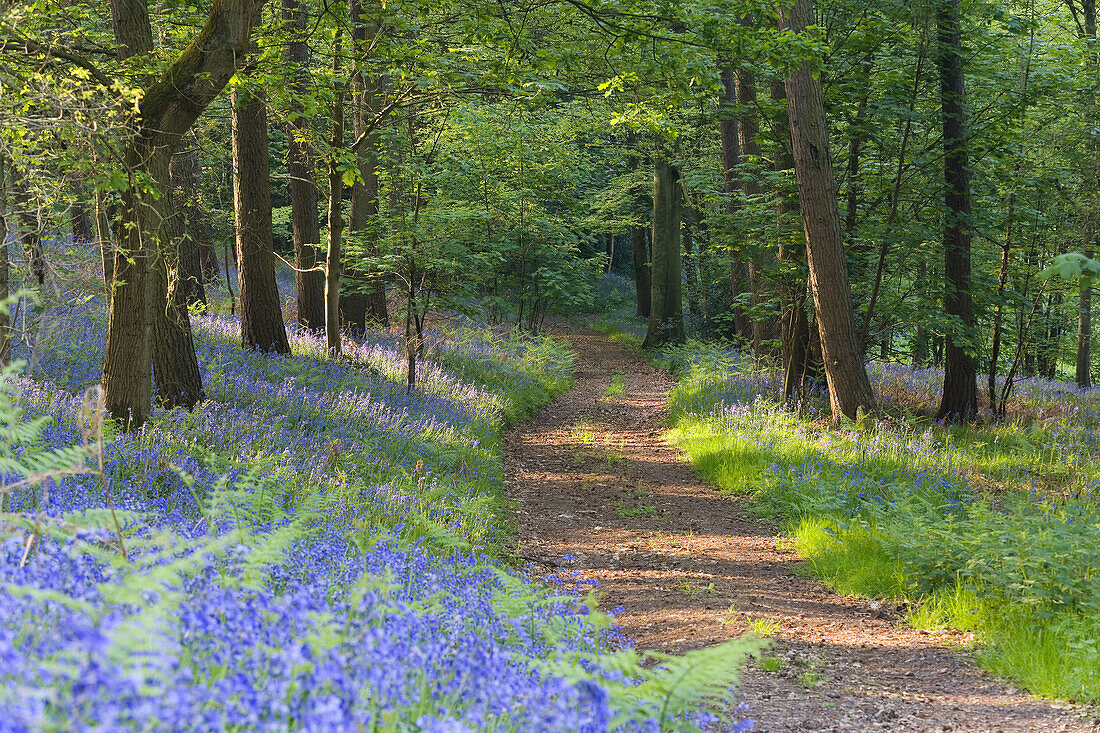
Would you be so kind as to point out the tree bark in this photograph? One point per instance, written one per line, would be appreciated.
(304, 199)
(849, 388)
(29, 226)
(666, 315)
(80, 220)
(1083, 366)
(176, 372)
(262, 326)
(855, 151)
(794, 324)
(748, 128)
(691, 262)
(185, 174)
(641, 271)
(960, 389)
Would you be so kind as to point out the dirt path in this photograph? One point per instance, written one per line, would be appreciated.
(594, 478)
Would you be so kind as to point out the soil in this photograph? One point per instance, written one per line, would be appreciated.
(594, 478)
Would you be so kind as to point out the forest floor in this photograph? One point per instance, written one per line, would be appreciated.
(595, 479)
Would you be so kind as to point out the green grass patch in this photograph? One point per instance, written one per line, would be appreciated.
(989, 529)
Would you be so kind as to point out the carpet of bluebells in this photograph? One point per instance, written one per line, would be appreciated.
(304, 551)
(986, 526)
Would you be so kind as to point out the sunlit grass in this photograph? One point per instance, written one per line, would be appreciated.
(989, 528)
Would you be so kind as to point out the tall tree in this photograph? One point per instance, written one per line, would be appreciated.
(1084, 14)
(960, 386)
(262, 326)
(5, 322)
(333, 255)
(666, 314)
(748, 129)
(849, 388)
(304, 206)
(168, 107)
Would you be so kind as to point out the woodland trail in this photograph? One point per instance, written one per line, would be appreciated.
(594, 478)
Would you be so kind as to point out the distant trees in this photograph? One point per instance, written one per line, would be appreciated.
(465, 158)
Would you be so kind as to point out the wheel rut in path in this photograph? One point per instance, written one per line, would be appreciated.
(594, 478)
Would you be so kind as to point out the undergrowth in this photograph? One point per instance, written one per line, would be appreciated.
(311, 548)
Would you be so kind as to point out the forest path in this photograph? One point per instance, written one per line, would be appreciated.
(594, 478)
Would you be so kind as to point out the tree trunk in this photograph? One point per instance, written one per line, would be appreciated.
(960, 389)
(262, 326)
(1083, 370)
(5, 320)
(80, 220)
(691, 262)
(849, 388)
(335, 214)
(794, 281)
(168, 108)
(748, 127)
(368, 304)
(641, 271)
(106, 238)
(731, 160)
(886, 236)
(175, 365)
(29, 226)
(304, 199)
(609, 252)
(666, 316)
(185, 174)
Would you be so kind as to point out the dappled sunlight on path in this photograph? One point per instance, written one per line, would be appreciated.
(596, 481)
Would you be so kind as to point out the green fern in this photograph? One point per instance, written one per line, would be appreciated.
(667, 686)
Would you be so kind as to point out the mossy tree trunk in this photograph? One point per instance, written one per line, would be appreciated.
(168, 108)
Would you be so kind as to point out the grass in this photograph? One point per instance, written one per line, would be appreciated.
(764, 626)
(989, 528)
(616, 387)
(772, 664)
